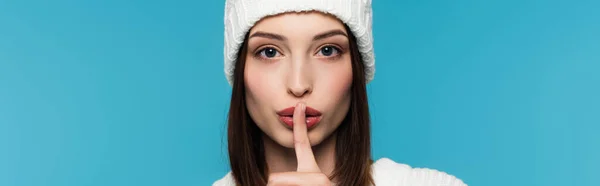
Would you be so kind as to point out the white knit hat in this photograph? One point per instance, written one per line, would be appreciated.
(241, 15)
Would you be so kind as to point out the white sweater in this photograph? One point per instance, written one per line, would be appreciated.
(389, 173)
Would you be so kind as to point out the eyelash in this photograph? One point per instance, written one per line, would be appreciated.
(259, 55)
(334, 56)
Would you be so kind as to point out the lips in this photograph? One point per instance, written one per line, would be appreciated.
(313, 116)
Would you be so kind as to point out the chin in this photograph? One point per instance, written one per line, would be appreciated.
(285, 142)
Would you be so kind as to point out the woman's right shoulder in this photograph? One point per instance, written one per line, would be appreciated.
(227, 180)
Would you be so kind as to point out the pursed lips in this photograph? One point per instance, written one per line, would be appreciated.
(313, 116)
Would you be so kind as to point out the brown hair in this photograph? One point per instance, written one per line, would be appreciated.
(353, 144)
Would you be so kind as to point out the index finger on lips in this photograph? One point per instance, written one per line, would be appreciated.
(304, 154)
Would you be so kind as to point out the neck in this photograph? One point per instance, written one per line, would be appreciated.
(283, 159)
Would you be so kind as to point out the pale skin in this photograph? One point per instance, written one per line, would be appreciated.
(307, 172)
(298, 59)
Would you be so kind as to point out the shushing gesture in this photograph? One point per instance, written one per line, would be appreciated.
(308, 172)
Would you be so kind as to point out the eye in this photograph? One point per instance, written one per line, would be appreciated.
(268, 52)
(328, 51)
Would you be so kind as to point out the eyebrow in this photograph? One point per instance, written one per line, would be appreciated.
(269, 36)
(283, 38)
(329, 34)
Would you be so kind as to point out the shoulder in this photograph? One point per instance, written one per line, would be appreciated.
(227, 180)
(388, 172)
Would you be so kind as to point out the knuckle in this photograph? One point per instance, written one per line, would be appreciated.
(301, 141)
(323, 180)
(273, 178)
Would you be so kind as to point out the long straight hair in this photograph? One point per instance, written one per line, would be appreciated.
(353, 144)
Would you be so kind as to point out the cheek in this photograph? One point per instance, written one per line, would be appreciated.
(258, 91)
(255, 83)
(337, 80)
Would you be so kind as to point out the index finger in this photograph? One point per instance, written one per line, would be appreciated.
(304, 154)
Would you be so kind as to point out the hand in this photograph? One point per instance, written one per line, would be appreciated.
(308, 172)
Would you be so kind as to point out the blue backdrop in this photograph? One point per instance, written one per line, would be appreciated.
(124, 92)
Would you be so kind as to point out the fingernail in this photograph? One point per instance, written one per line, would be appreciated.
(303, 107)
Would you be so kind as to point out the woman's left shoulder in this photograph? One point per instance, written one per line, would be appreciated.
(387, 172)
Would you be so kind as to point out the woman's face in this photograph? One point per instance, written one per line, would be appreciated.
(297, 57)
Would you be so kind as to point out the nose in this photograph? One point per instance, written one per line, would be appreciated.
(299, 83)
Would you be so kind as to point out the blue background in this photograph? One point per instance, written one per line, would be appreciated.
(123, 92)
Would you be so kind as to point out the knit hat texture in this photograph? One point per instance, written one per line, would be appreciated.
(241, 15)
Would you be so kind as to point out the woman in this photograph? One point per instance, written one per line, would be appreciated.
(299, 112)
